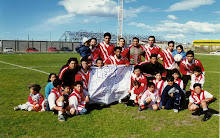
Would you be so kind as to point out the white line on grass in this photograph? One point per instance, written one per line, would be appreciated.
(24, 67)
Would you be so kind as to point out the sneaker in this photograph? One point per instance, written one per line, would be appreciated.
(61, 118)
(207, 116)
(139, 108)
(16, 108)
(175, 110)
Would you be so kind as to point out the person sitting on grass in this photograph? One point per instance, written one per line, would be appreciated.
(35, 100)
(172, 96)
(56, 100)
(199, 100)
(49, 87)
(176, 75)
(77, 100)
(197, 77)
(150, 98)
(138, 76)
(134, 97)
(159, 83)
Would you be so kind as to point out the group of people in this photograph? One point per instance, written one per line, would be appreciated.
(153, 85)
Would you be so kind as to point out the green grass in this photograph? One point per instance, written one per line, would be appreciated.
(115, 121)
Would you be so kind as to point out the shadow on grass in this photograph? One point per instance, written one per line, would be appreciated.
(92, 107)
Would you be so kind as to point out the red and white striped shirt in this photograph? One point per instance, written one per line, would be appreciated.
(148, 94)
(113, 60)
(77, 101)
(194, 79)
(95, 53)
(53, 96)
(180, 83)
(83, 77)
(197, 99)
(168, 61)
(150, 50)
(125, 53)
(159, 85)
(142, 79)
(186, 68)
(106, 50)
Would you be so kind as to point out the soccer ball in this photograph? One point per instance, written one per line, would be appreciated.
(178, 57)
(36, 107)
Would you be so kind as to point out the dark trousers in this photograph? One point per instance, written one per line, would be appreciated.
(186, 78)
(173, 103)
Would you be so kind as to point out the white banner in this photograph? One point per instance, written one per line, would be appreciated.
(109, 83)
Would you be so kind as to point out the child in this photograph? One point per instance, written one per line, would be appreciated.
(99, 62)
(150, 98)
(177, 80)
(106, 48)
(172, 96)
(56, 100)
(50, 86)
(199, 100)
(84, 49)
(35, 100)
(117, 59)
(159, 83)
(197, 77)
(77, 101)
(137, 75)
(134, 98)
(179, 50)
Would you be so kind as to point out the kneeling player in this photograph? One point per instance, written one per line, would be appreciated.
(78, 99)
(199, 100)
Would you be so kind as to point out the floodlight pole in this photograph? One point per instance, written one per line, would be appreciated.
(120, 20)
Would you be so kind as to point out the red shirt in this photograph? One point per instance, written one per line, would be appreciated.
(113, 60)
(186, 68)
(83, 77)
(106, 50)
(150, 50)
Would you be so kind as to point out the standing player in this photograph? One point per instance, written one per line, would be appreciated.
(117, 59)
(125, 51)
(95, 51)
(106, 48)
(135, 51)
(150, 48)
(187, 65)
(166, 57)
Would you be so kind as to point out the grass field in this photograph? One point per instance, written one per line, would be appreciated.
(114, 121)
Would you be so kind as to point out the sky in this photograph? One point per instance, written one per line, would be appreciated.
(178, 20)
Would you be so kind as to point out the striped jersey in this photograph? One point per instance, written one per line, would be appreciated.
(186, 68)
(106, 50)
(150, 50)
(168, 61)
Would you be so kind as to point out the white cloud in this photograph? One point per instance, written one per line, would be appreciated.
(101, 8)
(130, 1)
(172, 17)
(189, 27)
(189, 4)
(218, 12)
(61, 19)
(86, 21)
(132, 12)
(175, 36)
